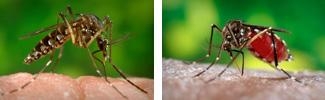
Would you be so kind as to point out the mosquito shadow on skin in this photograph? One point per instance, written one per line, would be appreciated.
(276, 78)
(272, 78)
(187, 62)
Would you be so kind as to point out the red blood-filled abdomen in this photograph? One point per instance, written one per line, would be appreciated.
(262, 48)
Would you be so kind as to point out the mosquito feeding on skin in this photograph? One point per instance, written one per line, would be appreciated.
(261, 41)
(82, 30)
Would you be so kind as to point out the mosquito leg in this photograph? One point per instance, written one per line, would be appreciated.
(232, 59)
(232, 35)
(228, 65)
(125, 78)
(213, 26)
(243, 62)
(108, 27)
(276, 59)
(57, 60)
(33, 79)
(102, 45)
(104, 71)
(214, 61)
(73, 36)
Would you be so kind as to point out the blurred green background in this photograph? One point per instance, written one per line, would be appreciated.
(134, 55)
(186, 29)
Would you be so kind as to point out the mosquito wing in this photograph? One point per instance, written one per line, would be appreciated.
(38, 32)
(265, 27)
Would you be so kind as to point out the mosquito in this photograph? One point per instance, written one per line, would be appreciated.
(82, 30)
(261, 41)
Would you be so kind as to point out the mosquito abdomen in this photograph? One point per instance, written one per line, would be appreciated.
(50, 42)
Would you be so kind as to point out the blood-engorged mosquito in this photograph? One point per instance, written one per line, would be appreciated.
(261, 41)
(82, 30)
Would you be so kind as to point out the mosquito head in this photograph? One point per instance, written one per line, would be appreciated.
(95, 21)
(235, 26)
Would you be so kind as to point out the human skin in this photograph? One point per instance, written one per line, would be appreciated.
(50, 86)
(179, 83)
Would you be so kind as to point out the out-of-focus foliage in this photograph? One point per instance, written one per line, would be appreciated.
(186, 28)
(134, 55)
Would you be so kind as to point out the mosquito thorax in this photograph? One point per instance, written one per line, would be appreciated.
(235, 34)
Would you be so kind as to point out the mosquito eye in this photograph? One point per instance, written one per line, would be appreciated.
(235, 29)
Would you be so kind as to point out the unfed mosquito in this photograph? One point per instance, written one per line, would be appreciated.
(261, 41)
(82, 30)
